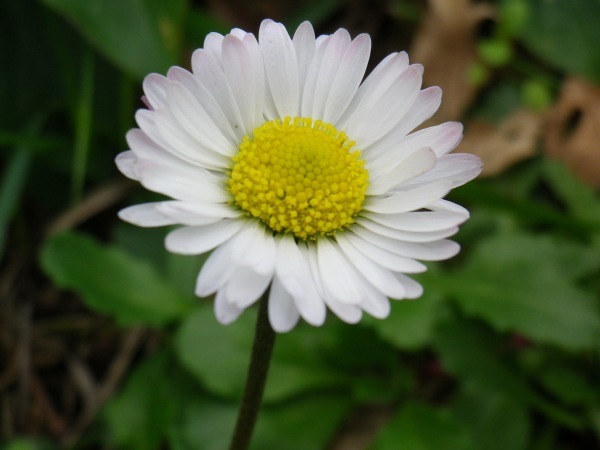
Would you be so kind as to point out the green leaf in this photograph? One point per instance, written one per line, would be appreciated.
(305, 423)
(581, 201)
(140, 415)
(203, 423)
(25, 444)
(473, 355)
(139, 36)
(569, 385)
(111, 281)
(421, 427)
(410, 323)
(218, 356)
(199, 23)
(13, 181)
(495, 421)
(527, 284)
(563, 33)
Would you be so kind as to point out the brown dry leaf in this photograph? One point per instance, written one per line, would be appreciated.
(446, 45)
(573, 131)
(500, 147)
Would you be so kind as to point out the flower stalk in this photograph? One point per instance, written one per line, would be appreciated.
(262, 349)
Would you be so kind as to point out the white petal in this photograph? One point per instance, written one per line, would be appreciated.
(184, 145)
(126, 164)
(217, 270)
(196, 121)
(145, 120)
(428, 251)
(413, 289)
(145, 215)
(414, 164)
(381, 78)
(155, 88)
(445, 205)
(226, 312)
(283, 313)
(256, 250)
(209, 72)
(379, 277)
(186, 213)
(408, 200)
(146, 148)
(409, 236)
(243, 67)
(179, 185)
(200, 239)
(293, 272)
(426, 104)
(336, 47)
(337, 276)
(281, 67)
(208, 102)
(455, 169)
(441, 139)
(304, 43)
(348, 75)
(377, 305)
(312, 77)
(384, 258)
(246, 286)
(373, 119)
(345, 311)
(213, 43)
(423, 222)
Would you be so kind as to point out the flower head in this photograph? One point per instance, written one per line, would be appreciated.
(304, 179)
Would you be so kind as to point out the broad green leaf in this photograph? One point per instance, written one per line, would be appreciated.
(581, 200)
(565, 34)
(495, 421)
(111, 281)
(306, 423)
(473, 355)
(218, 356)
(571, 386)
(139, 36)
(421, 427)
(25, 444)
(140, 415)
(528, 284)
(498, 102)
(203, 423)
(410, 323)
(340, 358)
(199, 23)
(148, 244)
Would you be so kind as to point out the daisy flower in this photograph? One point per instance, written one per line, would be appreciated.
(304, 180)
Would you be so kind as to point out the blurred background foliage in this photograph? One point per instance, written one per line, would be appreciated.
(102, 345)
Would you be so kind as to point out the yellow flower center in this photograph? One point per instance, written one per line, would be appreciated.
(299, 176)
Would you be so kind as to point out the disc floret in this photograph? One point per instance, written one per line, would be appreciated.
(299, 176)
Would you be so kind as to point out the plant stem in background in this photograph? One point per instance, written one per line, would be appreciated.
(262, 349)
(83, 126)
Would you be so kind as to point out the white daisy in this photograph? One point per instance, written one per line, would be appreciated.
(302, 179)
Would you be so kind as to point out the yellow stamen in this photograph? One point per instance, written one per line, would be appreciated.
(299, 176)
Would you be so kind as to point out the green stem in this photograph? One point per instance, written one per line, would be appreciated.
(262, 349)
(83, 126)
